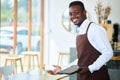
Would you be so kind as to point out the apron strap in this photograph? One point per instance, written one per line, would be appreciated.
(88, 27)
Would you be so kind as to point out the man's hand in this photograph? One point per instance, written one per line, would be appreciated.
(84, 70)
(55, 71)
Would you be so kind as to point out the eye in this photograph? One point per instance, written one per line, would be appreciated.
(76, 12)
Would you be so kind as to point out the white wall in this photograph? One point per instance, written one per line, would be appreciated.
(56, 37)
(114, 15)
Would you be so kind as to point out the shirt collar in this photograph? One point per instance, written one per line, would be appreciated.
(83, 27)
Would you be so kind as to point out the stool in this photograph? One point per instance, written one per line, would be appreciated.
(60, 57)
(30, 55)
(13, 59)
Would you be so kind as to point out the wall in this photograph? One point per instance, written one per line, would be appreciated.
(56, 37)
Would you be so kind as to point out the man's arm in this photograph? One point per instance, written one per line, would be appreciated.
(102, 44)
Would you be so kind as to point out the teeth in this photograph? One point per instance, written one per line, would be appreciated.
(74, 20)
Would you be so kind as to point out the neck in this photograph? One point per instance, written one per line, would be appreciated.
(81, 22)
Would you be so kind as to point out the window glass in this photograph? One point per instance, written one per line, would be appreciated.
(35, 37)
(23, 32)
(6, 12)
(6, 21)
(7, 18)
(22, 12)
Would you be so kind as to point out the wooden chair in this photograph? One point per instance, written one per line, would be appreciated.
(60, 63)
(31, 55)
(12, 59)
(61, 57)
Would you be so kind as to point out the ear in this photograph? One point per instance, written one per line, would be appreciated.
(84, 12)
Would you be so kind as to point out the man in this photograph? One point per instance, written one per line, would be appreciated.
(93, 47)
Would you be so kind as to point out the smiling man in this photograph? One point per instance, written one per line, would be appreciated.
(93, 47)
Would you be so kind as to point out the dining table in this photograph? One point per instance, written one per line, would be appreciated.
(36, 74)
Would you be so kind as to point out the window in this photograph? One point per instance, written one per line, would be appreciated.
(7, 20)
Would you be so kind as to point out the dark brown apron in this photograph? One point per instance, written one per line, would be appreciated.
(87, 54)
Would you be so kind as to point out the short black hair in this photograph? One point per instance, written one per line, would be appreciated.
(79, 3)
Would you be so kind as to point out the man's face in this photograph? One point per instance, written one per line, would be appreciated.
(77, 15)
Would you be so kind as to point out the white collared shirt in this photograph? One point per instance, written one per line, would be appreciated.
(97, 36)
